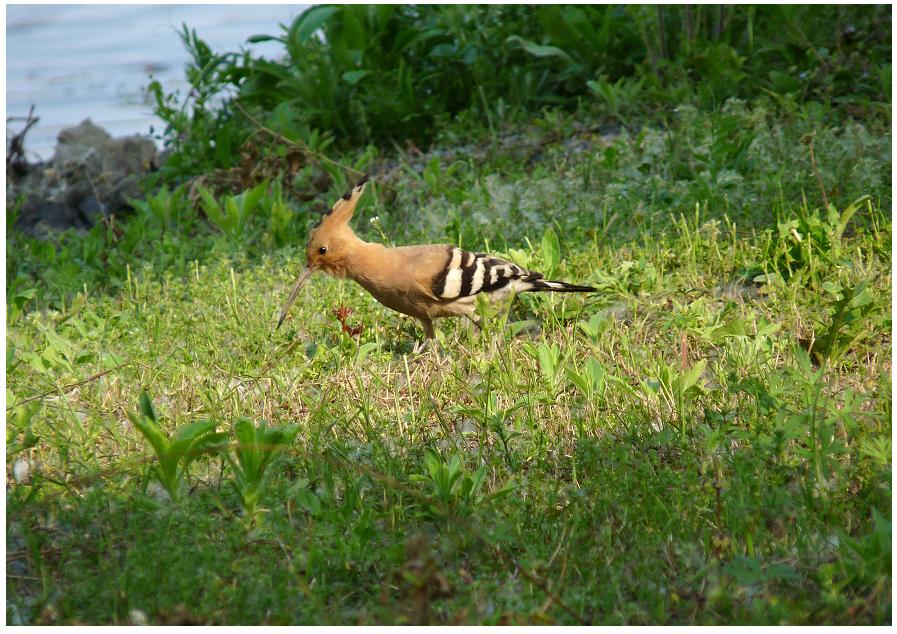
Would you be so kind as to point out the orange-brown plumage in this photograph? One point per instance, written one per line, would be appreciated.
(425, 281)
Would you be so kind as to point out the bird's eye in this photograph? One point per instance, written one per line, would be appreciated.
(322, 250)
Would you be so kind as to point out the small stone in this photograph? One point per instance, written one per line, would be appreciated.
(158, 492)
(21, 471)
(138, 617)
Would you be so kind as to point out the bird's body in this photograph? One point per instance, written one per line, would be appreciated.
(424, 281)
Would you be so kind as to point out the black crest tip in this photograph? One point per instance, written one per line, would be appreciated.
(358, 186)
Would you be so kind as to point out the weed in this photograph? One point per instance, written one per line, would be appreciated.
(256, 447)
(162, 210)
(455, 491)
(174, 453)
(19, 434)
(232, 217)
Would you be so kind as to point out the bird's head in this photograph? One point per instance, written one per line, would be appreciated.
(328, 244)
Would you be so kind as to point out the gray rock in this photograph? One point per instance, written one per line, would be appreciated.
(72, 143)
(90, 176)
(128, 155)
(39, 218)
(92, 209)
(127, 187)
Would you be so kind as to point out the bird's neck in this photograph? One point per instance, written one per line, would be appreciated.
(368, 258)
(362, 258)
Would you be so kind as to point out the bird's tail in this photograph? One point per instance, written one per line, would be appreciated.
(538, 285)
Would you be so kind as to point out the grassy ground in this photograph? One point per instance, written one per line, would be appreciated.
(707, 439)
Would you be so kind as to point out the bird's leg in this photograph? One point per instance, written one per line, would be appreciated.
(476, 319)
(430, 334)
(428, 328)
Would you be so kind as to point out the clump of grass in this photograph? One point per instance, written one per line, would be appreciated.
(257, 446)
(174, 453)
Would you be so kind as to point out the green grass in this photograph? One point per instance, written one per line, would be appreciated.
(707, 439)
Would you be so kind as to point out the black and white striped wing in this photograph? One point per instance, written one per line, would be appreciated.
(467, 274)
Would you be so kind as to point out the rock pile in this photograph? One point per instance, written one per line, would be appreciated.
(90, 176)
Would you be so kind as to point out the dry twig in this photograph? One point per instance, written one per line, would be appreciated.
(301, 145)
(15, 151)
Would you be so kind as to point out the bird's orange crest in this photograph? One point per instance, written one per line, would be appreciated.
(328, 242)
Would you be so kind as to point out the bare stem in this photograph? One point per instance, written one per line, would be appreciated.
(816, 172)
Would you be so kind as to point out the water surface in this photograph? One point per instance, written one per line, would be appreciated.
(78, 61)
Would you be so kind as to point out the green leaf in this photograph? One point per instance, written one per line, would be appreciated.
(353, 31)
(157, 440)
(445, 49)
(254, 195)
(516, 327)
(255, 39)
(690, 377)
(364, 350)
(479, 477)
(538, 50)
(580, 382)
(247, 444)
(736, 327)
(146, 407)
(846, 215)
(551, 252)
(506, 489)
(310, 21)
(64, 347)
(19, 425)
(192, 431)
(354, 76)
(307, 500)
(212, 208)
(595, 372)
(549, 359)
(782, 83)
(231, 220)
(622, 384)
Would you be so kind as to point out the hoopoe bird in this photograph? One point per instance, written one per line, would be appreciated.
(425, 281)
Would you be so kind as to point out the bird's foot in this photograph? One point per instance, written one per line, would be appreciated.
(420, 347)
(428, 351)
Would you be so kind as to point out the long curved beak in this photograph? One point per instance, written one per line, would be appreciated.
(294, 292)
